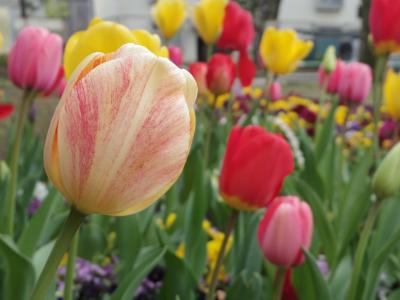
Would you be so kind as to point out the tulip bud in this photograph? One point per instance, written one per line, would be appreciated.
(255, 164)
(275, 91)
(199, 72)
(285, 229)
(386, 180)
(4, 170)
(221, 73)
(175, 55)
(329, 60)
(122, 131)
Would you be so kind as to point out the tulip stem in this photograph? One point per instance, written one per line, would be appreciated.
(360, 251)
(63, 242)
(69, 279)
(26, 103)
(379, 74)
(278, 283)
(221, 254)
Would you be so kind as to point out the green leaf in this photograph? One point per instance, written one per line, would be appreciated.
(19, 273)
(129, 241)
(147, 259)
(326, 135)
(309, 282)
(340, 280)
(178, 281)
(323, 226)
(34, 231)
(247, 286)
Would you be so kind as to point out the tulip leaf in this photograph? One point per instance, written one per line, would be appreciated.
(19, 272)
(129, 241)
(34, 231)
(309, 282)
(145, 262)
(179, 280)
(248, 286)
(325, 136)
(323, 227)
(340, 278)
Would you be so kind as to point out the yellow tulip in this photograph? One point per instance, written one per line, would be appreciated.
(391, 91)
(169, 16)
(104, 36)
(122, 131)
(282, 50)
(208, 18)
(150, 41)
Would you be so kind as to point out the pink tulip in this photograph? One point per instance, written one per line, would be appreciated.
(285, 229)
(275, 91)
(355, 82)
(175, 55)
(35, 59)
(199, 72)
(221, 73)
(331, 81)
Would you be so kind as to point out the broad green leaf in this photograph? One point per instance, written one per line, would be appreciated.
(340, 279)
(19, 272)
(145, 262)
(178, 281)
(35, 229)
(309, 282)
(248, 286)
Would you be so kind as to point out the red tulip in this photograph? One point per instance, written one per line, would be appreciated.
(199, 72)
(238, 30)
(6, 110)
(255, 164)
(288, 292)
(355, 82)
(221, 73)
(238, 34)
(175, 55)
(384, 23)
(35, 59)
(331, 80)
(285, 229)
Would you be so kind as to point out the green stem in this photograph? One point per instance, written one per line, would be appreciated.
(278, 283)
(63, 242)
(228, 230)
(379, 74)
(27, 100)
(69, 280)
(210, 49)
(360, 251)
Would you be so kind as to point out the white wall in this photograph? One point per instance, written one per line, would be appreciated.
(305, 15)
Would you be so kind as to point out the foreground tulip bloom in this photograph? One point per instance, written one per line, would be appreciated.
(384, 23)
(34, 60)
(169, 16)
(107, 37)
(122, 131)
(6, 110)
(175, 55)
(208, 17)
(285, 229)
(199, 72)
(391, 92)
(255, 164)
(221, 72)
(281, 50)
(355, 82)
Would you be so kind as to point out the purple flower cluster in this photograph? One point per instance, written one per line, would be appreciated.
(151, 285)
(91, 280)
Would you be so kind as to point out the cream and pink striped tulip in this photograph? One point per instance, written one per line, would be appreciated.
(122, 131)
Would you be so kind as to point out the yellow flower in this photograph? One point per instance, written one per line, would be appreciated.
(282, 50)
(341, 114)
(105, 36)
(150, 41)
(391, 90)
(208, 18)
(180, 251)
(169, 16)
(170, 220)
